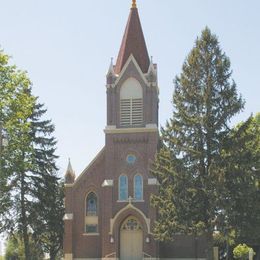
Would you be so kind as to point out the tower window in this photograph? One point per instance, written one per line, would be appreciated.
(123, 188)
(138, 187)
(131, 104)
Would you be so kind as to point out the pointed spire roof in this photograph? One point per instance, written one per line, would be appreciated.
(70, 174)
(111, 68)
(133, 43)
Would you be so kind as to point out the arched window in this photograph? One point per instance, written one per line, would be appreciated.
(131, 103)
(91, 204)
(138, 187)
(123, 187)
(91, 220)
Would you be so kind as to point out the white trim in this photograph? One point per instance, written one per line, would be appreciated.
(151, 126)
(130, 130)
(68, 185)
(90, 234)
(131, 58)
(129, 206)
(68, 216)
(108, 183)
(110, 127)
(153, 181)
(68, 257)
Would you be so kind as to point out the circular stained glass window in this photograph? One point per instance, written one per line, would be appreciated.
(131, 159)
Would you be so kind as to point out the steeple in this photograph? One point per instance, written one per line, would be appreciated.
(133, 43)
(70, 174)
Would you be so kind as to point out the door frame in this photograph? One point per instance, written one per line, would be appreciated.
(120, 229)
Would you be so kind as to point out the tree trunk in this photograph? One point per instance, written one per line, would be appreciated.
(209, 253)
(52, 254)
(53, 251)
(25, 235)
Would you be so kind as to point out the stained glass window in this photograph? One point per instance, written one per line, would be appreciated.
(91, 207)
(123, 187)
(138, 187)
(131, 159)
(131, 224)
(91, 228)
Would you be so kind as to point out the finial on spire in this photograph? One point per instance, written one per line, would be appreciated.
(133, 3)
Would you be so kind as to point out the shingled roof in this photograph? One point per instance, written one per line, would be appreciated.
(133, 43)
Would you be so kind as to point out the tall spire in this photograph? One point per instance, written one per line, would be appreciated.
(133, 43)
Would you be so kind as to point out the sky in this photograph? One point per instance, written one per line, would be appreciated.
(66, 47)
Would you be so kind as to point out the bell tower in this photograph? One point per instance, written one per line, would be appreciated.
(131, 142)
(132, 88)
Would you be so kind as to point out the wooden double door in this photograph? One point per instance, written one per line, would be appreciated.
(131, 240)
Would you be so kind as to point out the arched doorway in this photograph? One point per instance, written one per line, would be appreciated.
(131, 240)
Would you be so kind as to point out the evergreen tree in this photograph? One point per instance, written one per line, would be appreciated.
(204, 100)
(48, 210)
(239, 175)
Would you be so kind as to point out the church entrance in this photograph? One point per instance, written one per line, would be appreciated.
(131, 240)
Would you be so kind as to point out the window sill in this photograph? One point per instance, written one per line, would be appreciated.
(90, 234)
(127, 201)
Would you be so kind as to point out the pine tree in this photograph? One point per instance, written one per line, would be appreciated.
(204, 100)
(48, 210)
(239, 175)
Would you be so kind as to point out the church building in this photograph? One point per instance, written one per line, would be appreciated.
(107, 207)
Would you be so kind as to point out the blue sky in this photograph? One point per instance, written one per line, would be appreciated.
(66, 48)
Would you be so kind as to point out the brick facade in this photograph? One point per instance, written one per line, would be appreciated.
(102, 175)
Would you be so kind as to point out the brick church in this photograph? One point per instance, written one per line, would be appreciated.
(108, 211)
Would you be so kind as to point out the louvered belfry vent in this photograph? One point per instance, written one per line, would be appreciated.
(131, 104)
(131, 112)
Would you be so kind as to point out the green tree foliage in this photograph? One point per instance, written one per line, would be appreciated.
(239, 175)
(49, 226)
(28, 162)
(15, 249)
(242, 252)
(204, 100)
(15, 106)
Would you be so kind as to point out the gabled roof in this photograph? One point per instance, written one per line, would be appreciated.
(133, 43)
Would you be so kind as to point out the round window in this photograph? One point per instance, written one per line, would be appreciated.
(131, 159)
